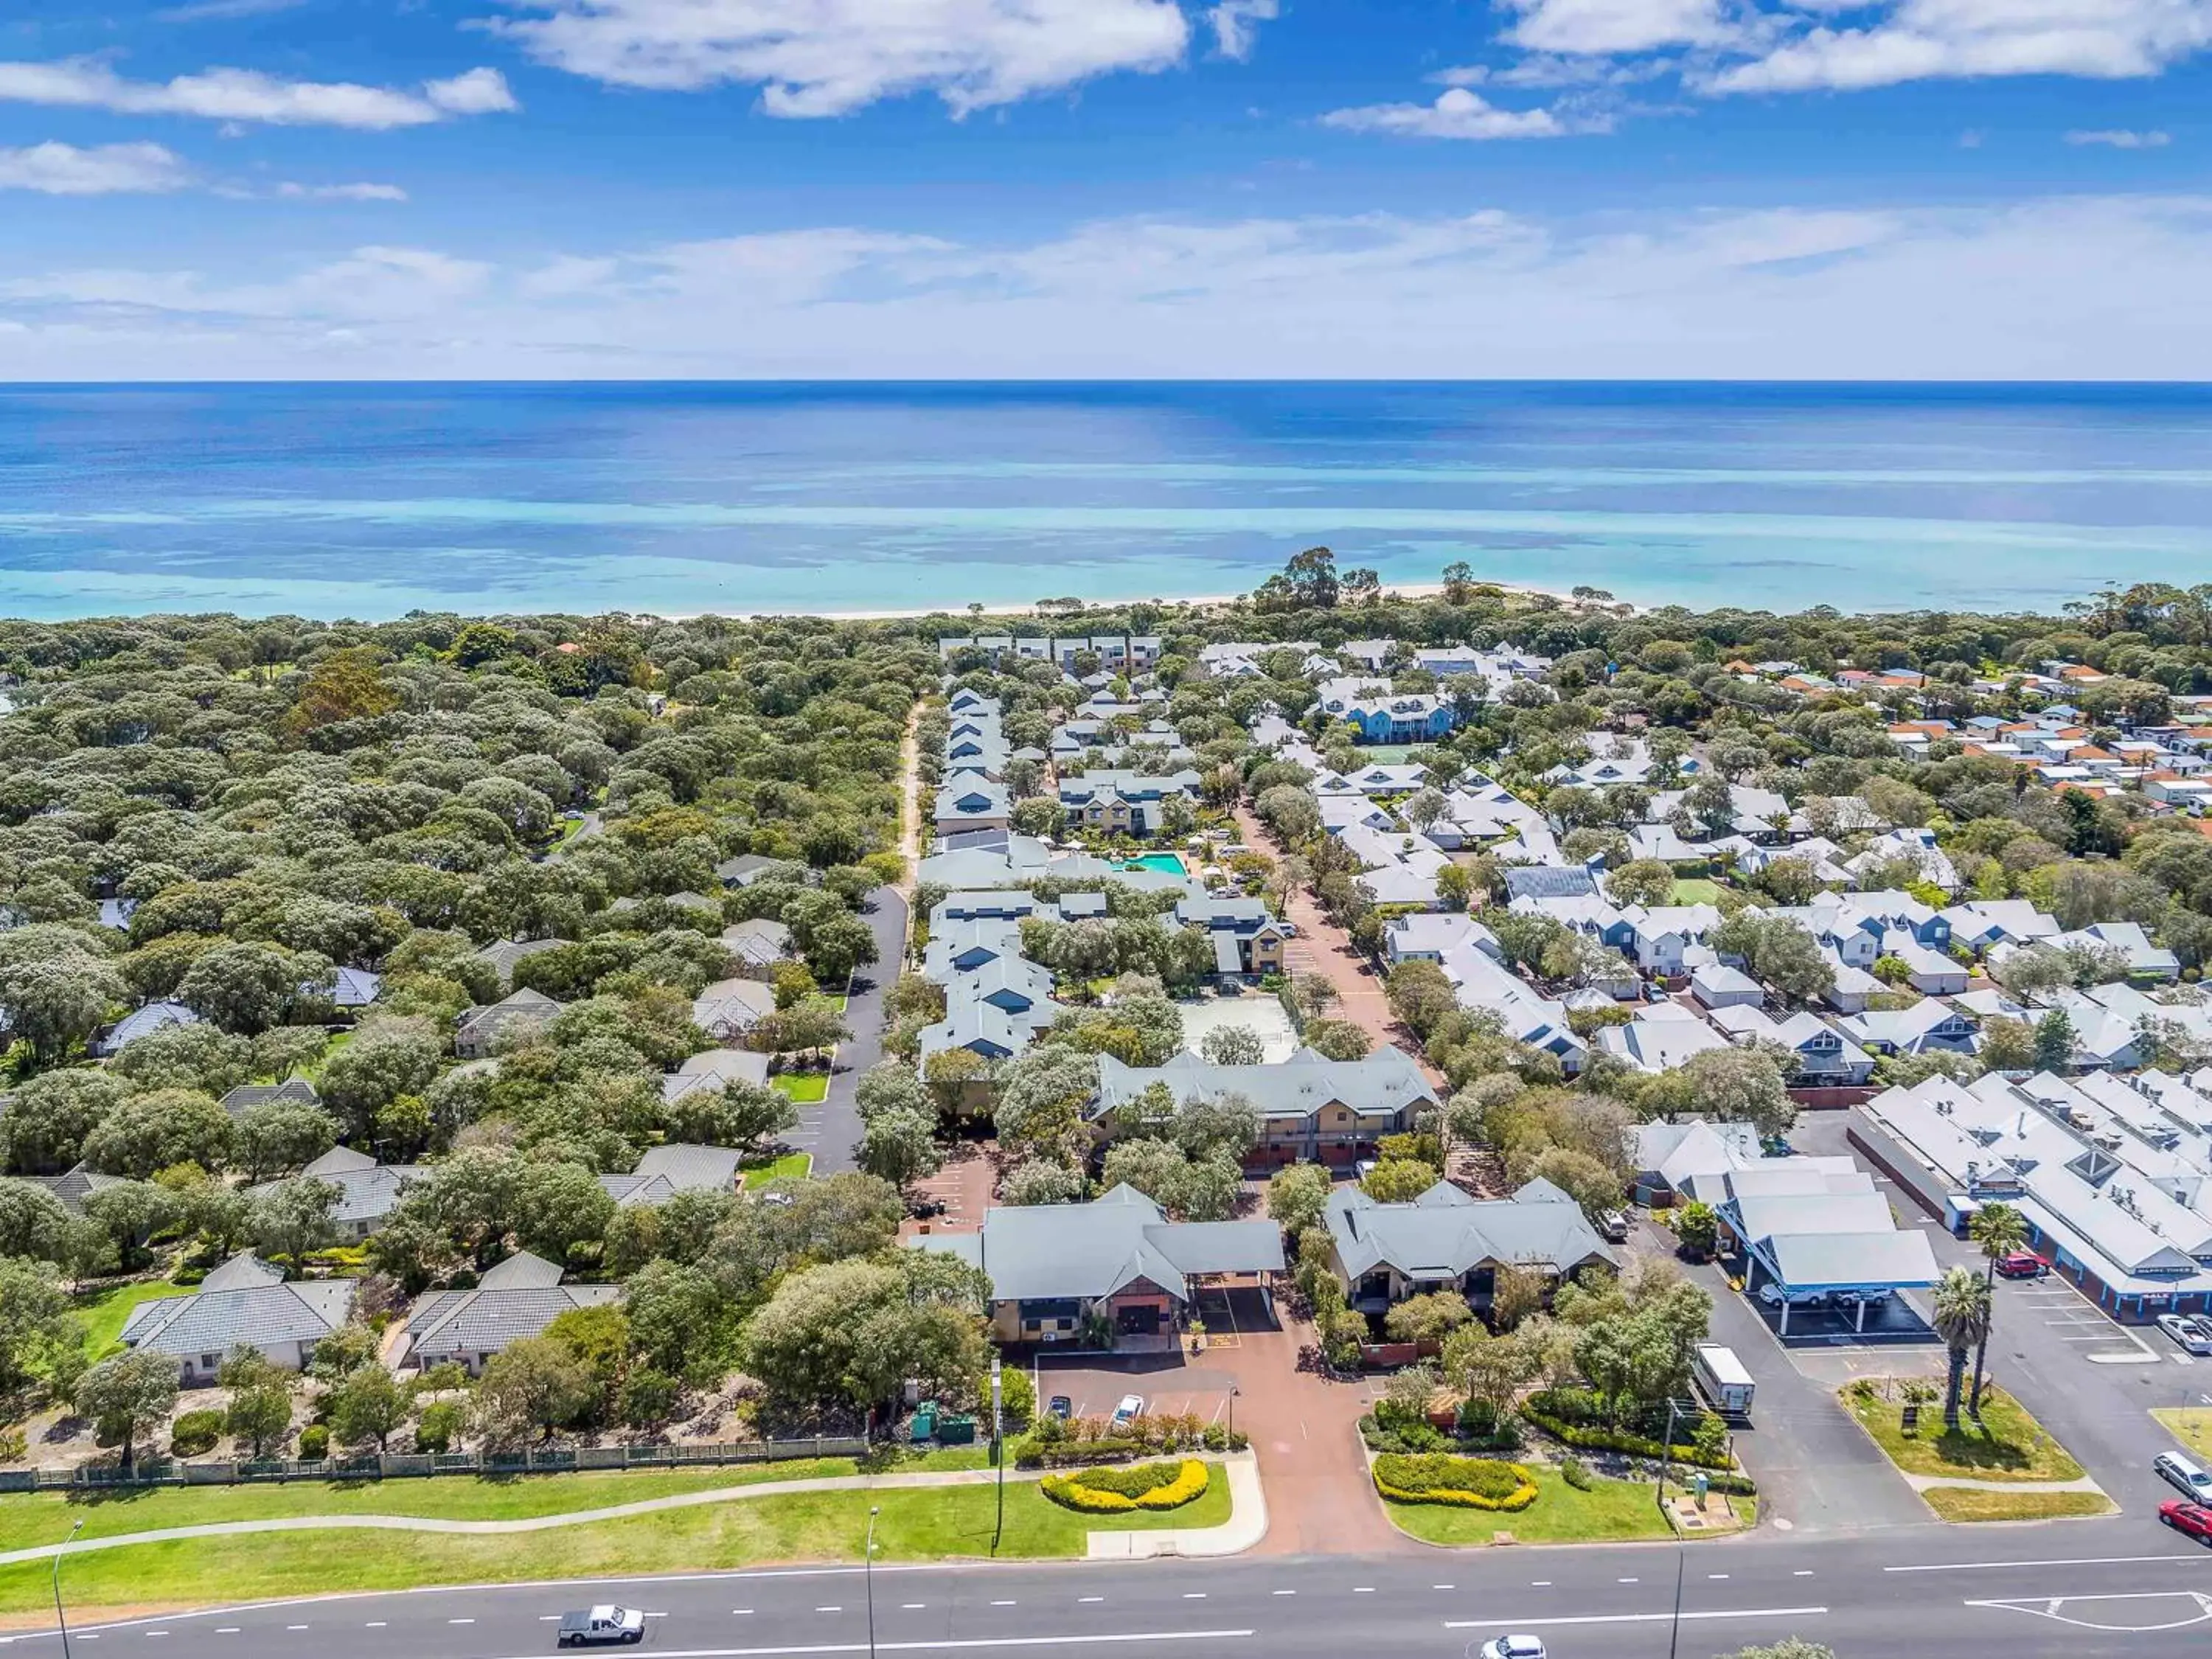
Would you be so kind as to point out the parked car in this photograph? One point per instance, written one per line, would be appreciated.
(2187, 1332)
(2022, 1264)
(602, 1626)
(1060, 1406)
(1513, 1647)
(1614, 1224)
(2193, 1520)
(2185, 1475)
(1130, 1408)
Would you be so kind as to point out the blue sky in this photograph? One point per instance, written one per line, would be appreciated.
(1786, 188)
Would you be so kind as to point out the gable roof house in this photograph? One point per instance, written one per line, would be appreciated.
(1446, 1240)
(1246, 938)
(1310, 1107)
(714, 1068)
(1055, 1268)
(503, 954)
(141, 1022)
(758, 943)
(368, 1191)
(518, 1298)
(972, 802)
(1125, 802)
(513, 1020)
(676, 1167)
(245, 1302)
(295, 1091)
(729, 1008)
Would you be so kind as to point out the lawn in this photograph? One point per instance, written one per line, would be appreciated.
(791, 1166)
(805, 1087)
(1973, 1504)
(2008, 1445)
(915, 1524)
(105, 1312)
(1610, 1512)
(1696, 890)
(2190, 1424)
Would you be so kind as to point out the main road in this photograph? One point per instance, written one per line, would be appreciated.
(2076, 1589)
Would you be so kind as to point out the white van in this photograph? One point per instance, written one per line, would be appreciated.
(2184, 1476)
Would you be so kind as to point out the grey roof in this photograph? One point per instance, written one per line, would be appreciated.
(518, 1009)
(1547, 881)
(714, 1068)
(367, 1190)
(1093, 1250)
(758, 941)
(1386, 1081)
(75, 1184)
(142, 1022)
(503, 954)
(1445, 1233)
(730, 1006)
(518, 1298)
(244, 1097)
(665, 1171)
(244, 1302)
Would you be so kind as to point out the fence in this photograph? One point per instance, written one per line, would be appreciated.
(407, 1466)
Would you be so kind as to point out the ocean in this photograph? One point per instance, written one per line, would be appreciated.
(369, 500)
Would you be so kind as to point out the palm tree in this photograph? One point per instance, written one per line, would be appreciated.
(1962, 1320)
(2000, 1230)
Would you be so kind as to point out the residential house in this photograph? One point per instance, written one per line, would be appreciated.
(244, 1303)
(758, 943)
(1428, 937)
(1311, 1108)
(293, 1091)
(676, 1167)
(1928, 1026)
(514, 1018)
(1717, 986)
(140, 1022)
(966, 802)
(368, 1191)
(1246, 938)
(518, 1298)
(729, 1009)
(1116, 1265)
(714, 1068)
(504, 954)
(1445, 1240)
(1124, 802)
(1827, 1059)
(1660, 1038)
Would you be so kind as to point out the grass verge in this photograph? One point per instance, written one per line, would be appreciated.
(2007, 1445)
(105, 1312)
(916, 1524)
(1610, 1512)
(2190, 1424)
(1978, 1503)
(791, 1166)
(805, 1088)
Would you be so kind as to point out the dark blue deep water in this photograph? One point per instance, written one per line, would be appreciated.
(369, 500)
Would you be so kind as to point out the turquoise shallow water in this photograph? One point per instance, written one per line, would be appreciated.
(372, 501)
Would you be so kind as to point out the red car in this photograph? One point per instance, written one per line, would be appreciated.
(2022, 1264)
(2194, 1519)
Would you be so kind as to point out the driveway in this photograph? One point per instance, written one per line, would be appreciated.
(837, 1121)
(1322, 948)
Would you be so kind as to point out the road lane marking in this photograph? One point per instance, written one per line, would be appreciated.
(2075, 1561)
(1002, 1604)
(1632, 1618)
(1116, 1637)
(1285, 1592)
(1090, 1598)
(912, 1607)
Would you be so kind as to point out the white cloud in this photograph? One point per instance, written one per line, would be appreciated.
(207, 11)
(1616, 26)
(1457, 113)
(817, 57)
(248, 95)
(2121, 139)
(1234, 24)
(55, 169)
(1925, 39)
(1909, 293)
(361, 192)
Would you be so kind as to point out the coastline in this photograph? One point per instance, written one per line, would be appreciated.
(1395, 591)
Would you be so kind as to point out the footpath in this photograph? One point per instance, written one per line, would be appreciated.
(1247, 1525)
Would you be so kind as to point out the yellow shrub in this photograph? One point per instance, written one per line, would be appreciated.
(1512, 1504)
(1068, 1490)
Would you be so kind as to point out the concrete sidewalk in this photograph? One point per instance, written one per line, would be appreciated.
(1246, 1526)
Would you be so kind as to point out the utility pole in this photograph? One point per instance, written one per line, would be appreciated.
(998, 1450)
(867, 1572)
(60, 1617)
(1666, 1456)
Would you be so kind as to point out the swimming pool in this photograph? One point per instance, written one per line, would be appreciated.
(1167, 861)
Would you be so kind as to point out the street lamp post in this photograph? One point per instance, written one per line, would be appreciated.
(867, 1573)
(998, 1451)
(60, 1618)
(1666, 1456)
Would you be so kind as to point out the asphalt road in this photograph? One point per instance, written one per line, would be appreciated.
(2077, 1590)
(837, 1125)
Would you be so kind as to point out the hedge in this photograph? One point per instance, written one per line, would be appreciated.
(1592, 1437)
(1467, 1483)
(1117, 1492)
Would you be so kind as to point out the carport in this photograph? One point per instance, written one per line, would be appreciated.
(1803, 1265)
